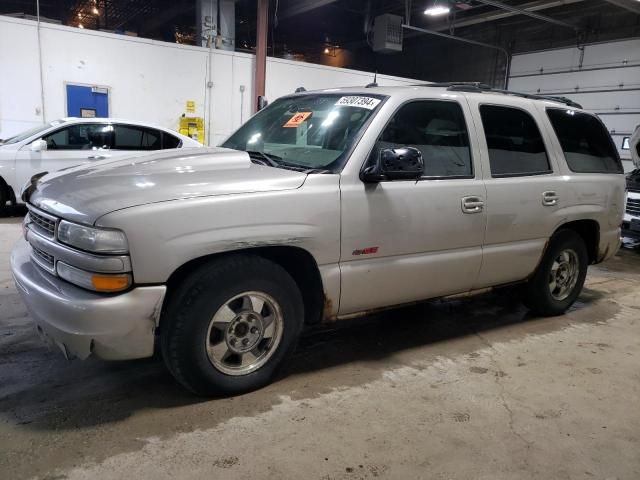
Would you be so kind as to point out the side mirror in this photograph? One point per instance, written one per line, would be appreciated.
(38, 145)
(262, 103)
(404, 163)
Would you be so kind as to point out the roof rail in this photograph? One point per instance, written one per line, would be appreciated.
(565, 100)
(481, 87)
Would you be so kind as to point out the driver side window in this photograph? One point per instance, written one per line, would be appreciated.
(438, 130)
(84, 136)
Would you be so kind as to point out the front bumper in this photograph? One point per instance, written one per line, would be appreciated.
(81, 323)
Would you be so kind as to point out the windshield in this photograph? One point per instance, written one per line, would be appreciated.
(32, 131)
(308, 131)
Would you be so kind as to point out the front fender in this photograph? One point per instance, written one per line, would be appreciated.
(164, 236)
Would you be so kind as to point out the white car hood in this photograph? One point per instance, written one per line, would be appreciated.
(87, 192)
(634, 147)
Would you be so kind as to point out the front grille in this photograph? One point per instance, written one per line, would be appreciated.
(44, 224)
(633, 187)
(633, 206)
(43, 257)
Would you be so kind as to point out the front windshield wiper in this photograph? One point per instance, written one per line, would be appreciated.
(278, 162)
(271, 160)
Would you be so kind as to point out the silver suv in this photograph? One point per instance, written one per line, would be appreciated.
(323, 206)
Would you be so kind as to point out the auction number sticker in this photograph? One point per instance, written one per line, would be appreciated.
(297, 119)
(356, 101)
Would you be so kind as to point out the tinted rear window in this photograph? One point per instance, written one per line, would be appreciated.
(514, 142)
(585, 142)
(169, 141)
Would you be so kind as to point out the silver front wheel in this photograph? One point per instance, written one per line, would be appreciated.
(564, 273)
(244, 333)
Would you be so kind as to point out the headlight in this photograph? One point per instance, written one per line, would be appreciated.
(97, 282)
(96, 240)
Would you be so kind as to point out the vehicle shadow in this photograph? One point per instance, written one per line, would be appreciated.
(41, 391)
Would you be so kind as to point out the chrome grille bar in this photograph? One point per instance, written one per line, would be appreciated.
(42, 222)
(633, 206)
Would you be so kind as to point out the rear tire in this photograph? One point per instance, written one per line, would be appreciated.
(230, 325)
(560, 276)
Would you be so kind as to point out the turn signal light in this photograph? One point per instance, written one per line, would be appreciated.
(110, 283)
(98, 282)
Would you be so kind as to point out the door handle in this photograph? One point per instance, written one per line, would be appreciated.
(549, 199)
(472, 204)
(97, 157)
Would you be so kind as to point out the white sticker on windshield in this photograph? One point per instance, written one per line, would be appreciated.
(362, 102)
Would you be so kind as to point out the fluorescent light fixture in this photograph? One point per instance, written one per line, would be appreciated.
(437, 10)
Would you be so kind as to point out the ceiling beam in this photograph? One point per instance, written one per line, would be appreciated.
(631, 5)
(534, 6)
(302, 6)
(528, 13)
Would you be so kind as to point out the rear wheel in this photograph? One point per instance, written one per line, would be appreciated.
(231, 325)
(560, 276)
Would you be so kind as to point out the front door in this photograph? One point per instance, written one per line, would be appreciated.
(66, 147)
(409, 240)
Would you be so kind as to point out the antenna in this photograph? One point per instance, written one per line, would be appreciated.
(375, 81)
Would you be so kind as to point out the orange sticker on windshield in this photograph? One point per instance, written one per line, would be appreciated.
(297, 119)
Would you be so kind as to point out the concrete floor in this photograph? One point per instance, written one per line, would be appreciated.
(474, 389)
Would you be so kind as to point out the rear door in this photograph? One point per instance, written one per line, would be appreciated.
(524, 187)
(134, 138)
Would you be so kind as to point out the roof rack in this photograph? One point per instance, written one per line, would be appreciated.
(481, 87)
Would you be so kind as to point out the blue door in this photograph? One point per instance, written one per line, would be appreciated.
(83, 101)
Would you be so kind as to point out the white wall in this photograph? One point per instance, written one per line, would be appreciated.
(606, 81)
(147, 80)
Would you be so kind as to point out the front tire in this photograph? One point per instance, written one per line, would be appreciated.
(4, 198)
(560, 276)
(231, 325)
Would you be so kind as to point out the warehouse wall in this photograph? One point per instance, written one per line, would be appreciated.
(147, 80)
(604, 78)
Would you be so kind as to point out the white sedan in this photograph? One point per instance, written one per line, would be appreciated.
(72, 141)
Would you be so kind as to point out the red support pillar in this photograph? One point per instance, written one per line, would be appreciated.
(261, 50)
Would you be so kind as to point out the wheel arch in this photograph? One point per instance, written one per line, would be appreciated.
(296, 261)
(589, 231)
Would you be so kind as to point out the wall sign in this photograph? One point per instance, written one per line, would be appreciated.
(87, 113)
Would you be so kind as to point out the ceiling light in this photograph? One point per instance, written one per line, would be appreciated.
(326, 50)
(95, 11)
(437, 10)
(80, 25)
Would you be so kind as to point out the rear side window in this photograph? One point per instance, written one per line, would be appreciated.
(169, 141)
(129, 137)
(515, 145)
(438, 130)
(585, 142)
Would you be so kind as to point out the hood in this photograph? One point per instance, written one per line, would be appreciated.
(85, 193)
